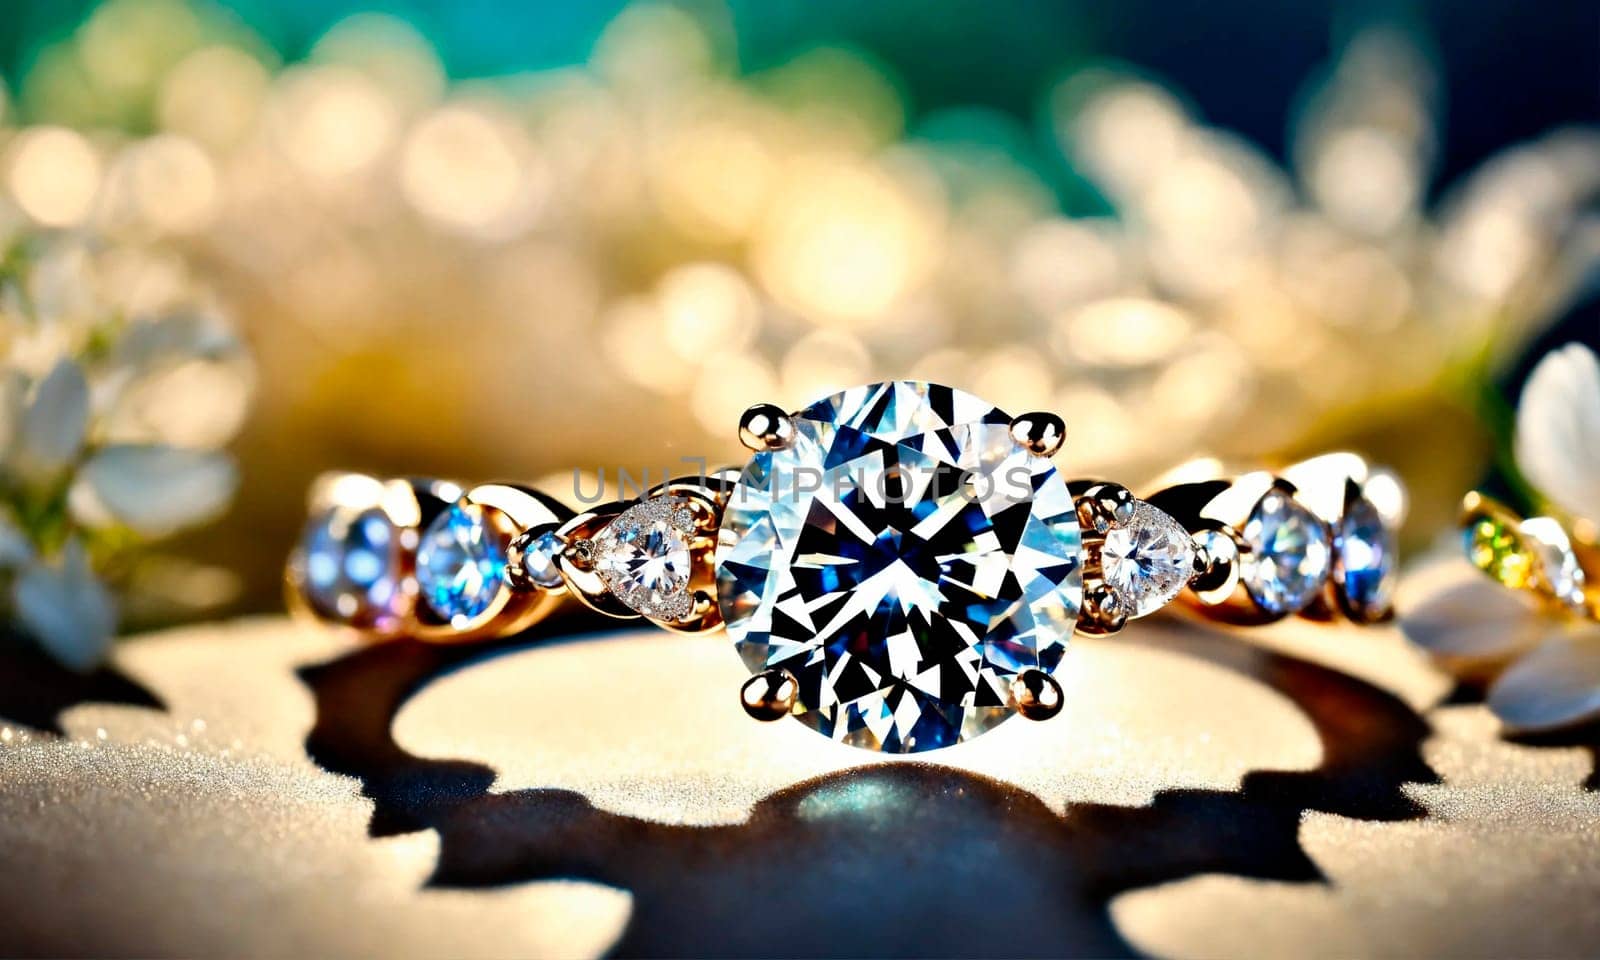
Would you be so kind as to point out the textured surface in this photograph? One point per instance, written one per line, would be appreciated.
(257, 788)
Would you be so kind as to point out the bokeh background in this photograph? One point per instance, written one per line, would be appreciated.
(500, 240)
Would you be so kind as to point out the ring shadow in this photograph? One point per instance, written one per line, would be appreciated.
(891, 859)
(35, 690)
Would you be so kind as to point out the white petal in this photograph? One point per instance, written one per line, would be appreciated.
(54, 424)
(15, 548)
(1460, 613)
(1555, 686)
(66, 609)
(157, 490)
(1558, 430)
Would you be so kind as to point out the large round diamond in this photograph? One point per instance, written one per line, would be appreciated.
(904, 558)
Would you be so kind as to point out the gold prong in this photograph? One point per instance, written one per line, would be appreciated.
(1103, 505)
(1103, 613)
(766, 426)
(1037, 694)
(769, 695)
(1039, 433)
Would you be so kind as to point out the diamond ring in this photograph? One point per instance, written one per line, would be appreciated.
(900, 565)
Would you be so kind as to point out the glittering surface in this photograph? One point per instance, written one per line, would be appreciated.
(257, 788)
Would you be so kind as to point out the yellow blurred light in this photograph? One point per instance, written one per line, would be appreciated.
(1101, 432)
(650, 47)
(213, 95)
(635, 340)
(170, 183)
(390, 51)
(1013, 377)
(821, 363)
(1123, 332)
(842, 242)
(1128, 134)
(840, 94)
(1366, 179)
(54, 174)
(1059, 263)
(198, 404)
(713, 180)
(1208, 381)
(473, 172)
(718, 401)
(332, 122)
(706, 308)
(127, 44)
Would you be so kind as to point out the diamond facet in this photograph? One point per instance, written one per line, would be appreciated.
(353, 568)
(1289, 554)
(1146, 559)
(539, 560)
(643, 557)
(1364, 549)
(460, 563)
(904, 559)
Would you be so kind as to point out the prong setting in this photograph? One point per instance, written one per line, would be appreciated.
(1103, 613)
(1036, 694)
(1041, 434)
(1103, 505)
(769, 695)
(766, 426)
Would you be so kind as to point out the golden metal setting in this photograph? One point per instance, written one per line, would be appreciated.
(1041, 434)
(1037, 695)
(1556, 563)
(769, 695)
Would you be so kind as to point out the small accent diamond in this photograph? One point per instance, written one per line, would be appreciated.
(539, 560)
(1146, 559)
(643, 557)
(1289, 554)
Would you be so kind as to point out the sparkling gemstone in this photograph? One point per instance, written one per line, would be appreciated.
(1146, 559)
(1365, 550)
(1559, 570)
(904, 559)
(353, 568)
(1497, 548)
(1289, 554)
(460, 563)
(643, 557)
(539, 559)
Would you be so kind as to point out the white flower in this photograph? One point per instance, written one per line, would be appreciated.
(153, 490)
(1541, 659)
(1558, 430)
(54, 423)
(66, 608)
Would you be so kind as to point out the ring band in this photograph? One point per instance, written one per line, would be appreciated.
(900, 565)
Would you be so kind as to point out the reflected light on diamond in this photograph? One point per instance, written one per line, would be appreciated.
(332, 122)
(213, 95)
(842, 242)
(706, 306)
(1123, 332)
(823, 362)
(472, 172)
(54, 175)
